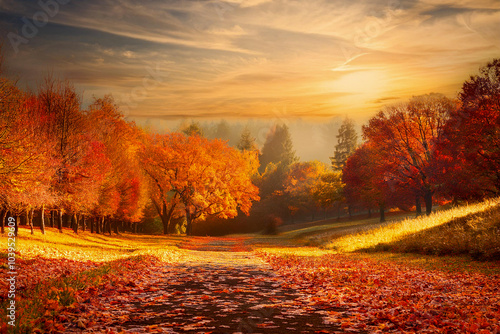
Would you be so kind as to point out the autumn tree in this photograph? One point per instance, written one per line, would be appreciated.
(122, 195)
(366, 179)
(200, 176)
(26, 161)
(347, 141)
(406, 136)
(328, 189)
(471, 144)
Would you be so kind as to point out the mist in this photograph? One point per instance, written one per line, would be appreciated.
(312, 139)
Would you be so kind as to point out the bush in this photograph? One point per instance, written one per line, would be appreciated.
(272, 223)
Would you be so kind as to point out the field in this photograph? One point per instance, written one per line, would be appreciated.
(437, 274)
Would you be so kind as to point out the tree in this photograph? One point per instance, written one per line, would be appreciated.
(154, 158)
(26, 161)
(123, 193)
(278, 148)
(366, 179)
(471, 144)
(222, 131)
(204, 177)
(406, 137)
(193, 129)
(347, 141)
(328, 189)
(68, 126)
(309, 185)
(247, 142)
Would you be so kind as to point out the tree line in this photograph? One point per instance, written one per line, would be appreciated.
(430, 149)
(90, 168)
(67, 166)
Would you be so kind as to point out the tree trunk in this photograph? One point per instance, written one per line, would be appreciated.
(91, 223)
(382, 213)
(349, 209)
(418, 205)
(428, 202)
(52, 218)
(98, 225)
(115, 223)
(369, 212)
(135, 227)
(60, 221)
(3, 216)
(189, 223)
(42, 219)
(16, 227)
(165, 218)
(82, 219)
(75, 222)
(29, 219)
(109, 227)
(67, 220)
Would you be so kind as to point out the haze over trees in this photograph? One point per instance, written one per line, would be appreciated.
(63, 165)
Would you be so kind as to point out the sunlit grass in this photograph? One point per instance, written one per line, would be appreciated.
(395, 231)
(86, 246)
(295, 251)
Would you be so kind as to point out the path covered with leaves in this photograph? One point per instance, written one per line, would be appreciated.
(208, 291)
(219, 285)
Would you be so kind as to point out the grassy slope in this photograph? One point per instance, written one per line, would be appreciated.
(443, 241)
(395, 231)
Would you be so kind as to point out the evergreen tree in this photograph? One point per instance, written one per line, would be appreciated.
(222, 131)
(278, 148)
(194, 129)
(347, 141)
(247, 142)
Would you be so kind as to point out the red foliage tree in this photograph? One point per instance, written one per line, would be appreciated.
(406, 136)
(471, 145)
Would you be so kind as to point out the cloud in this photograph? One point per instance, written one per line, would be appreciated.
(250, 58)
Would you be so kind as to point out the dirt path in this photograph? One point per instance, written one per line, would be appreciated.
(210, 291)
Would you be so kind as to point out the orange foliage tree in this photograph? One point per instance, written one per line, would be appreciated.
(123, 193)
(201, 177)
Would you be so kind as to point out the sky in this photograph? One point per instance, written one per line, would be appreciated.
(276, 60)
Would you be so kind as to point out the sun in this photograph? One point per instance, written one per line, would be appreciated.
(357, 89)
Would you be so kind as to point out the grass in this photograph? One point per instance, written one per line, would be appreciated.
(476, 235)
(444, 241)
(393, 232)
(86, 246)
